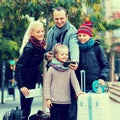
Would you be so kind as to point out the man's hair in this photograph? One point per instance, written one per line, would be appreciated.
(59, 9)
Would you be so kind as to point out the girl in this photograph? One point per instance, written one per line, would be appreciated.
(27, 67)
(57, 84)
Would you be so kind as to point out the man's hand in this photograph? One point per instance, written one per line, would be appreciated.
(49, 55)
(73, 66)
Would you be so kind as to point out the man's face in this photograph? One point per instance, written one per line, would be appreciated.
(60, 18)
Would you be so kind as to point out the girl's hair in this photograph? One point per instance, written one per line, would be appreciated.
(27, 35)
(58, 47)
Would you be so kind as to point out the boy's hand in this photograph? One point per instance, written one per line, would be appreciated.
(101, 81)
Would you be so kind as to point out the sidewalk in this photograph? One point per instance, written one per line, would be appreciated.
(37, 105)
(9, 103)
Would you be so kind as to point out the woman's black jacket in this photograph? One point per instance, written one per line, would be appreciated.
(27, 66)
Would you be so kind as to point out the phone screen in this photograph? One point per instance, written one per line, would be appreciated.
(68, 63)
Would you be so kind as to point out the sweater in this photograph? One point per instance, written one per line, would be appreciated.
(57, 85)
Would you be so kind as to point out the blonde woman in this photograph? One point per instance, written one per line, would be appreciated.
(27, 68)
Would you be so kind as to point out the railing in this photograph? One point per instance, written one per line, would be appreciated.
(115, 91)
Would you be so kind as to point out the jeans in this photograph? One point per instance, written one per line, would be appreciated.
(25, 106)
(59, 112)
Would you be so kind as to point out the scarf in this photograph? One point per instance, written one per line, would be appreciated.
(59, 33)
(57, 65)
(87, 45)
(37, 43)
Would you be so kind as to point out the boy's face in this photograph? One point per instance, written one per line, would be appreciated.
(62, 55)
(60, 18)
(83, 38)
(38, 32)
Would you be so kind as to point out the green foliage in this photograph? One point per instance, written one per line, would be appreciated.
(113, 25)
(8, 49)
(92, 2)
(14, 21)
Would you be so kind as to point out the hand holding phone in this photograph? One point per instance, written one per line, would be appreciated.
(49, 55)
(66, 64)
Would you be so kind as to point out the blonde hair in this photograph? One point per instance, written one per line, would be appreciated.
(58, 47)
(27, 35)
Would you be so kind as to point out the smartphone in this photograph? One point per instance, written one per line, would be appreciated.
(68, 63)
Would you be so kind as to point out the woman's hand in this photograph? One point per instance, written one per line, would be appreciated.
(48, 103)
(24, 91)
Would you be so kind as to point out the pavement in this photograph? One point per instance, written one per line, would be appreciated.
(9, 103)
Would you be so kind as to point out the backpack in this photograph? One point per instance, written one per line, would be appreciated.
(97, 51)
(40, 115)
(13, 114)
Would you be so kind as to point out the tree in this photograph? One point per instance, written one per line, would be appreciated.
(8, 49)
(14, 16)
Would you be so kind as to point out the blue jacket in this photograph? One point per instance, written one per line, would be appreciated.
(68, 37)
(96, 68)
(27, 67)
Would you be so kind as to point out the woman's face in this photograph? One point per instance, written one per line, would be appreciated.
(83, 38)
(38, 32)
(62, 55)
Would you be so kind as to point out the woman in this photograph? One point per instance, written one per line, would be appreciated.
(27, 67)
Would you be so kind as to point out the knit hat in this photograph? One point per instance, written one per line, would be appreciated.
(86, 28)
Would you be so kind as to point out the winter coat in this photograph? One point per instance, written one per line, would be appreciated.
(27, 67)
(66, 35)
(96, 68)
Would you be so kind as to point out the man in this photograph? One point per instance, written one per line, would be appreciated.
(64, 32)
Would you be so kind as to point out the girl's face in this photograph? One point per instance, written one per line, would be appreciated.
(83, 38)
(62, 55)
(38, 32)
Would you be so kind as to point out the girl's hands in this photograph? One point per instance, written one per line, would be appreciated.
(24, 91)
(79, 94)
(48, 103)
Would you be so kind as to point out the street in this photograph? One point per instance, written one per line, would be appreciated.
(37, 104)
